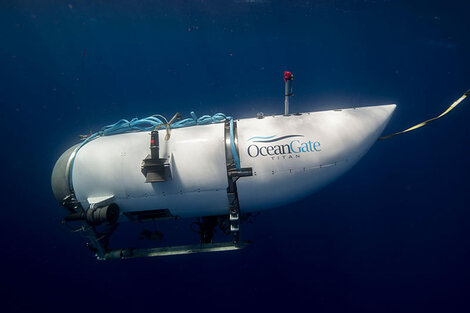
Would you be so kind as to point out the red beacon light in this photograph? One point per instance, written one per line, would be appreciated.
(288, 76)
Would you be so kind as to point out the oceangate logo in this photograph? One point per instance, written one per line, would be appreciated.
(262, 146)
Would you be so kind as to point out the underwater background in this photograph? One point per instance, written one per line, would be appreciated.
(391, 235)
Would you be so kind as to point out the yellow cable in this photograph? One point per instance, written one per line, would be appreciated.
(430, 120)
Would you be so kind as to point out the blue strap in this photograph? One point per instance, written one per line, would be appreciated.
(232, 145)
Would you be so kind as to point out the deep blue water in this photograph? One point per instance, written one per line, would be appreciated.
(392, 235)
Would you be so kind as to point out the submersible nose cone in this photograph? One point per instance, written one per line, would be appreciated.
(60, 176)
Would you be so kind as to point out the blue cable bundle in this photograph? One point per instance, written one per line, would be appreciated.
(152, 122)
(149, 124)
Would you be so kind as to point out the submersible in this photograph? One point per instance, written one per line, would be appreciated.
(216, 168)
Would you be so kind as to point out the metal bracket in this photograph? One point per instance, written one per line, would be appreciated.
(233, 174)
(154, 168)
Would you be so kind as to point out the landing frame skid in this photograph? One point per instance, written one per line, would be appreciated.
(235, 244)
(98, 241)
(173, 250)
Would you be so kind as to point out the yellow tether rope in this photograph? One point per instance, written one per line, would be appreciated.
(430, 120)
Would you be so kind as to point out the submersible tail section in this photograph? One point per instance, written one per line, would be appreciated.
(92, 206)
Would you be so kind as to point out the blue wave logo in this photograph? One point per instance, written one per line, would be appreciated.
(272, 138)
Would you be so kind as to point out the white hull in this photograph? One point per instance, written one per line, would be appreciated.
(318, 147)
